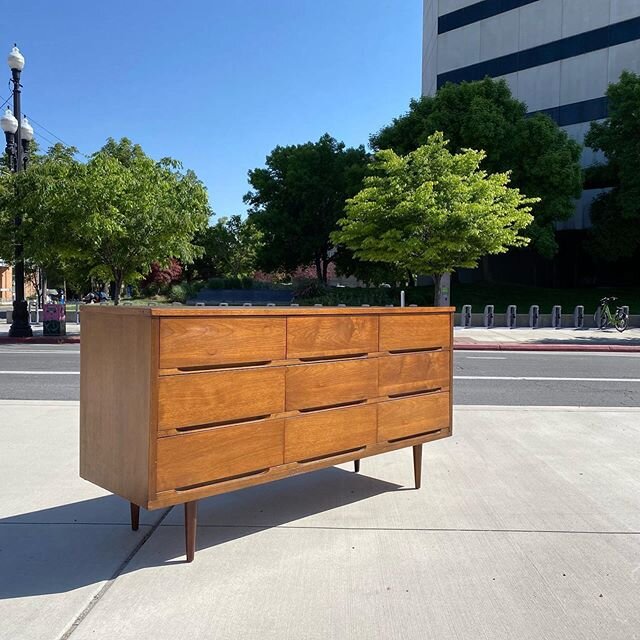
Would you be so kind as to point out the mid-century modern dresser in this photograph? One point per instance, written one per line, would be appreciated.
(180, 403)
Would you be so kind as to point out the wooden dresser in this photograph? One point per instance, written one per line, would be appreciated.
(180, 403)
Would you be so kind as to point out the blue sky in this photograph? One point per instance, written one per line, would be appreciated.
(216, 84)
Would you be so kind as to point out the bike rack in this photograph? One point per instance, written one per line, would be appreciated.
(534, 316)
(465, 316)
(512, 313)
(556, 316)
(489, 316)
(578, 317)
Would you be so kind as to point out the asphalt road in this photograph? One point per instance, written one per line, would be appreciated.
(50, 372)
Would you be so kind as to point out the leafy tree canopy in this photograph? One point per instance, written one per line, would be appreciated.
(298, 198)
(230, 249)
(542, 160)
(615, 215)
(117, 213)
(432, 211)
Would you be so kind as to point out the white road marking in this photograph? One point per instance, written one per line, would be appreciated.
(573, 354)
(40, 373)
(61, 352)
(485, 358)
(543, 378)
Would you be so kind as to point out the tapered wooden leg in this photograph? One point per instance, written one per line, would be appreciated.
(135, 516)
(417, 464)
(190, 524)
(356, 466)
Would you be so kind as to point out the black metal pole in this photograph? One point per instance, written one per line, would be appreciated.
(20, 327)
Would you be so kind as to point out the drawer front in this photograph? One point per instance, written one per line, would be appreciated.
(312, 337)
(405, 417)
(194, 342)
(405, 333)
(219, 396)
(330, 383)
(329, 432)
(414, 372)
(195, 458)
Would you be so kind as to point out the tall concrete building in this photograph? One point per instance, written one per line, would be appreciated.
(558, 56)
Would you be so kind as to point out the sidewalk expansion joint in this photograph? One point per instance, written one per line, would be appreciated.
(94, 601)
(265, 527)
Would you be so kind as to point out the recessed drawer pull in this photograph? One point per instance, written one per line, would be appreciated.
(260, 472)
(419, 392)
(348, 356)
(400, 351)
(224, 423)
(339, 405)
(216, 367)
(332, 455)
(415, 435)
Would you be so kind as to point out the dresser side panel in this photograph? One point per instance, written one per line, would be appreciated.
(116, 356)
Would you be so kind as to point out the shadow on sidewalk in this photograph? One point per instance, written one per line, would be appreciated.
(75, 545)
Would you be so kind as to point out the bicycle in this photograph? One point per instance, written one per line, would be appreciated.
(603, 317)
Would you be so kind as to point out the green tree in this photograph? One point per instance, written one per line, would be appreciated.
(117, 213)
(431, 211)
(230, 248)
(298, 198)
(542, 160)
(615, 215)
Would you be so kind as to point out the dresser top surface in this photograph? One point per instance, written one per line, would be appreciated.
(186, 312)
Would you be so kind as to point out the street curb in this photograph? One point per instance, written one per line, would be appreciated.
(42, 340)
(515, 346)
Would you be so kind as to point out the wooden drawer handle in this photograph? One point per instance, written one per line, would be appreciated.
(339, 454)
(251, 474)
(216, 367)
(415, 435)
(224, 423)
(419, 392)
(346, 356)
(402, 351)
(338, 405)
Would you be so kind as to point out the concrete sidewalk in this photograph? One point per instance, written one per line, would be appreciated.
(73, 334)
(527, 526)
(547, 339)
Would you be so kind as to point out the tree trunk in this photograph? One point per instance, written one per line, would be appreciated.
(325, 267)
(318, 264)
(487, 276)
(442, 290)
(117, 286)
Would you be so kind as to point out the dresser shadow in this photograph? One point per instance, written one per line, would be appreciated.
(67, 547)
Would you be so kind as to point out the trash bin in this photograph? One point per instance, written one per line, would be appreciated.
(54, 320)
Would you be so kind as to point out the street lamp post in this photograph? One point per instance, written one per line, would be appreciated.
(18, 133)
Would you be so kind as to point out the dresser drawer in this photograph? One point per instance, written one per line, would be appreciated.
(318, 336)
(330, 383)
(197, 458)
(219, 396)
(414, 332)
(329, 432)
(414, 372)
(406, 417)
(198, 342)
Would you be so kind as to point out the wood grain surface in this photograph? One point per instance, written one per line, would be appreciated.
(327, 432)
(330, 383)
(116, 382)
(413, 332)
(187, 342)
(309, 337)
(219, 396)
(410, 416)
(195, 458)
(413, 372)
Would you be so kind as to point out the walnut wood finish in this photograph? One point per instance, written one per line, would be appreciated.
(329, 432)
(220, 396)
(313, 337)
(182, 403)
(417, 465)
(213, 341)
